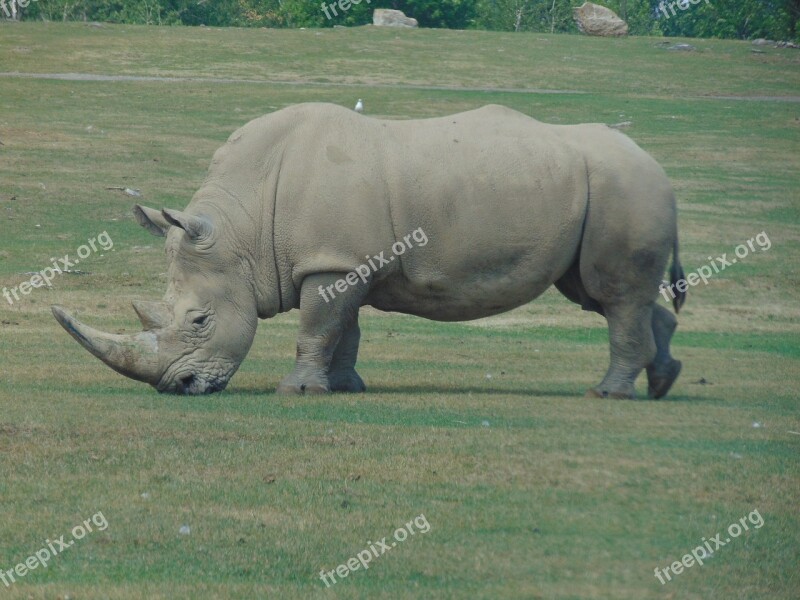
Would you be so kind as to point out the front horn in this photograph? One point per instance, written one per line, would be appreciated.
(135, 356)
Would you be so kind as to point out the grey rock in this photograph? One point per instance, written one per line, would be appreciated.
(386, 17)
(593, 19)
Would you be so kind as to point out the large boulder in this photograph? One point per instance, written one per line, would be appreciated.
(593, 19)
(386, 17)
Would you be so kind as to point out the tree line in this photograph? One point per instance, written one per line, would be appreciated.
(736, 19)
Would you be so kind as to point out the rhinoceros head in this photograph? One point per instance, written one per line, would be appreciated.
(196, 338)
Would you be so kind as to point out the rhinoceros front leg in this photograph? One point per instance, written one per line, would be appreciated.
(342, 375)
(327, 343)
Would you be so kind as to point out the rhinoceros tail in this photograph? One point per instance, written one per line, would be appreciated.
(676, 274)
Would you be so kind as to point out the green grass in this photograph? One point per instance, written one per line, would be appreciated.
(558, 497)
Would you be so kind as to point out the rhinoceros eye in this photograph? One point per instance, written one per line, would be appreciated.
(200, 321)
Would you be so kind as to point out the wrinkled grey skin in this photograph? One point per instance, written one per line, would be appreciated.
(299, 198)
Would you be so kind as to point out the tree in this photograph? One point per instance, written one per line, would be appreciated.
(744, 19)
(526, 15)
(773, 19)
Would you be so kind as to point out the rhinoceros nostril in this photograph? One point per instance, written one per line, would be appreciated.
(186, 383)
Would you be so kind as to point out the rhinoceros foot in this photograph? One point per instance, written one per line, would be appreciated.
(613, 394)
(661, 378)
(293, 384)
(347, 381)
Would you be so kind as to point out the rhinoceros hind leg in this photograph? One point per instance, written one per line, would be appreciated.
(324, 323)
(664, 370)
(572, 287)
(633, 347)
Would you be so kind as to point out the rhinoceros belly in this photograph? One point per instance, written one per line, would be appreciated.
(481, 284)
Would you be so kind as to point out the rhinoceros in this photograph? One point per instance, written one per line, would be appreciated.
(297, 205)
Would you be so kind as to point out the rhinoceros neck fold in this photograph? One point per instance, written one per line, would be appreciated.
(246, 209)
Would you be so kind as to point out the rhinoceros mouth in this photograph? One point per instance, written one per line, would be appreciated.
(190, 383)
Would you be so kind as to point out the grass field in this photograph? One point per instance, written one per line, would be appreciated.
(530, 490)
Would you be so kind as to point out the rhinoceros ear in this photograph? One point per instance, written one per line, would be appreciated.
(150, 219)
(197, 228)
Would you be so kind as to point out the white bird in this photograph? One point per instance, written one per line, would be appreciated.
(359, 106)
